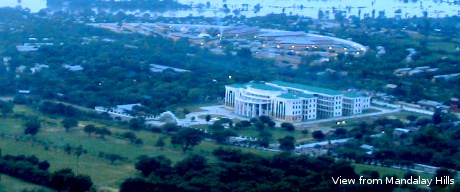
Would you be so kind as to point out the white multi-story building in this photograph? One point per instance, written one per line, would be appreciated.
(291, 102)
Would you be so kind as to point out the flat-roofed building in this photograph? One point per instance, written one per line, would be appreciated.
(355, 104)
(291, 102)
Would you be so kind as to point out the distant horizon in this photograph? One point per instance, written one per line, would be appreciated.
(295, 7)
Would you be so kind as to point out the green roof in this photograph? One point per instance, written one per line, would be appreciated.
(262, 87)
(295, 96)
(303, 95)
(307, 88)
(353, 95)
(287, 96)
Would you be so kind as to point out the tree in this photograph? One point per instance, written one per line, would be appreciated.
(208, 118)
(259, 125)
(318, 135)
(437, 118)
(243, 124)
(340, 132)
(264, 138)
(66, 180)
(114, 157)
(287, 143)
(160, 143)
(187, 138)
(288, 126)
(44, 165)
(160, 166)
(103, 131)
(222, 136)
(6, 107)
(169, 128)
(89, 129)
(191, 163)
(411, 118)
(69, 123)
(264, 119)
(442, 173)
(271, 124)
(130, 136)
(137, 124)
(138, 141)
(244, 53)
(32, 127)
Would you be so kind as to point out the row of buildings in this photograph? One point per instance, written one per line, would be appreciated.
(290, 102)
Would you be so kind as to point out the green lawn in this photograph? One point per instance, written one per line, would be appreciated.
(277, 133)
(8, 183)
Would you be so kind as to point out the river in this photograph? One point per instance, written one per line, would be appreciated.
(309, 8)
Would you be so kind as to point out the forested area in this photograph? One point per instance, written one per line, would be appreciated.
(116, 66)
(31, 169)
(431, 141)
(237, 171)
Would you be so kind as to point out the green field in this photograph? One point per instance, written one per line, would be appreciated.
(49, 144)
(277, 132)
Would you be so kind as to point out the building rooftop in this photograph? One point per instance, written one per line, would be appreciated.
(262, 86)
(241, 30)
(236, 85)
(282, 34)
(73, 67)
(352, 95)
(295, 96)
(295, 40)
(288, 96)
(127, 107)
(307, 88)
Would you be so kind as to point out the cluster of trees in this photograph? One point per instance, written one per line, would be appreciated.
(60, 109)
(101, 131)
(31, 169)
(263, 124)
(432, 141)
(238, 171)
(131, 136)
(6, 107)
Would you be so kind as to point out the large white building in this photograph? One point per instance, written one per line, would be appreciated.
(291, 102)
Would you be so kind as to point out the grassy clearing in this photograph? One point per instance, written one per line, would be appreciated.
(49, 144)
(444, 46)
(12, 184)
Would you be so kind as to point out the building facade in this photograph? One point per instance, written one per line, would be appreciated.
(291, 102)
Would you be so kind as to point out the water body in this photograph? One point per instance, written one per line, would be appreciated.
(309, 8)
(33, 5)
